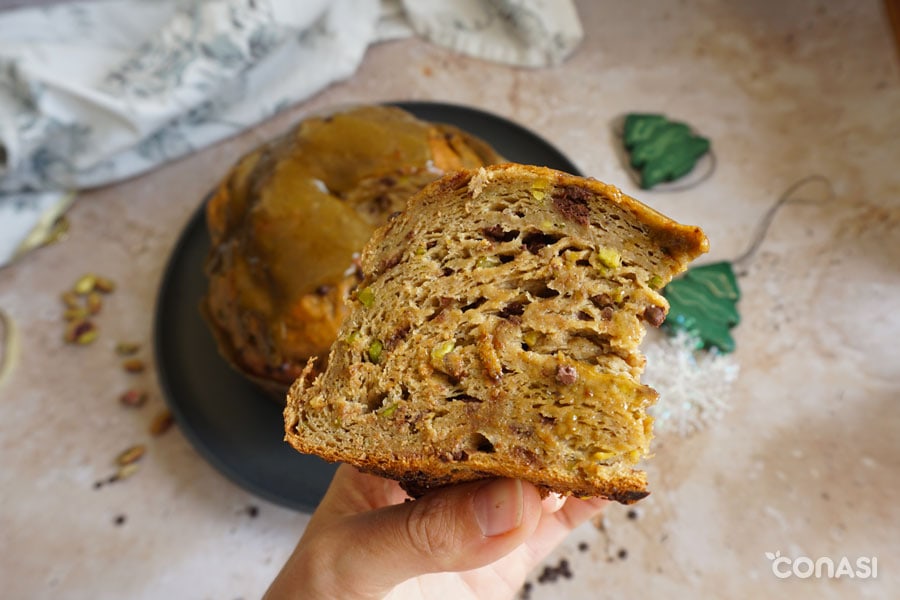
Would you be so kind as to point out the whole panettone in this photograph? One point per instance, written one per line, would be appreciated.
(289, 219)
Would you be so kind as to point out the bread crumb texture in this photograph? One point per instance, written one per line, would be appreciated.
(496, 333)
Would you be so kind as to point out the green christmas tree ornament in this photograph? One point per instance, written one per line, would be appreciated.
(703, 302)
(661, 150)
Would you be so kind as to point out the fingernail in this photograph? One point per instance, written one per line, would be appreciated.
(553, 502)
(499, 506)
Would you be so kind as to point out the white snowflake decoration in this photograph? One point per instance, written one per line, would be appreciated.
(694, 386)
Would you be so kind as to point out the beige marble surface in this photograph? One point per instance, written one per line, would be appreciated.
(807, 460)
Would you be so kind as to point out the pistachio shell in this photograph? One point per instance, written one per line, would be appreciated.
(161, 423)
(104, 284)
(85, 284)
(127, 348)
(133, 365)
(131, 455)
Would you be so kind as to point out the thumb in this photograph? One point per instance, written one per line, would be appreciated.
(452, 529)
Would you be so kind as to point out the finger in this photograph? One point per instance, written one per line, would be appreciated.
(453, 529)
(577, 511)
(552, 529)
(352, 491)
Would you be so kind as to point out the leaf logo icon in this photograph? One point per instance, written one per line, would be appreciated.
(772, 556)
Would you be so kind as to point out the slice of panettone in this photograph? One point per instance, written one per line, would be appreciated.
(496, 333)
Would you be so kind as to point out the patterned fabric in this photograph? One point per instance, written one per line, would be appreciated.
(95, 92)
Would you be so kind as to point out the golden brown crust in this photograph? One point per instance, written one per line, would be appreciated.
(681, 242)
(422, 474)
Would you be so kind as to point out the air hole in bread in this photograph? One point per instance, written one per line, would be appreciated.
(600, 341)
(498, 234)
(478, 302)
(479, 443)
(463, 398)
(439, 305)
(538, 240)
(376, 402)
(540, 289)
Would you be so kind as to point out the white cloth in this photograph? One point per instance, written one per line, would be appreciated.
(95, 92)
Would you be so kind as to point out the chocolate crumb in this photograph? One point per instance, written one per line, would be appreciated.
(397, 337)
(253, 511)
(632, 514)
(551, 574)
(572, 203)
(654, 315)
(566, 374)
(513, 309)
(602, 300)
(459, 456)
(525, 592)
(583, 547)
(98, 485)
(119, 520)
(622, 554)
(390, 262)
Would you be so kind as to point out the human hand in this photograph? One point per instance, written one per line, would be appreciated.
(472, 540)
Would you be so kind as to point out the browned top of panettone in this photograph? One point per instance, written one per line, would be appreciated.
(289, 218)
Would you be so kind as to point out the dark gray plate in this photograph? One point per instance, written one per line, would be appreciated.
(235, 426)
